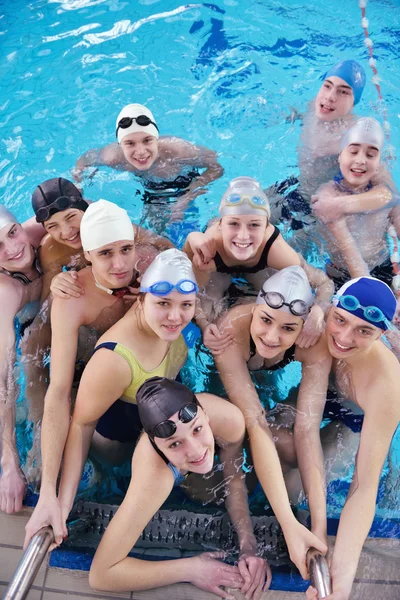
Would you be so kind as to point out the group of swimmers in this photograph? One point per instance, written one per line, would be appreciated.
(115, 298)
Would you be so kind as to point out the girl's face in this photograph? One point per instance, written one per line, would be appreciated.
(347, 334)
(64, 227)
(242, 235)
(140, 150)
(16, 252)
(358, 164)
(334, 100)
(191, 448)
(274, 330)
(168, 315)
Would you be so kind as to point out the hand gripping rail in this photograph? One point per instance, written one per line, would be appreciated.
(319, 573)
(29, 565)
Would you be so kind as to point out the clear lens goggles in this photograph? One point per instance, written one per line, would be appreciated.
(371, 313)
(298, 308)
(237, 199)
(166, 429)
(163, 288)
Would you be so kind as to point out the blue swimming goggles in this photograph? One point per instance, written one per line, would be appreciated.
(373, 314)
(163, 288)
(236, 199)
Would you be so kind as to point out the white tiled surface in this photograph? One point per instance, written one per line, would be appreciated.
(379, 564)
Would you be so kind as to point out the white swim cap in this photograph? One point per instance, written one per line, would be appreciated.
(364, 131)
(6, 217)
(172, 266)
(244, 196)
(131, 122)
(104, 223)
(288, 290)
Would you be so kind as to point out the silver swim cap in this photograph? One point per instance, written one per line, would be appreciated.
(288, 290)
(6, 217)
(170, 269)
(244, 196)
(104, 223)
(129, 121)
(364, 131)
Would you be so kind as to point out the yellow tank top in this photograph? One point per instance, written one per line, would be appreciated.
(169, 367)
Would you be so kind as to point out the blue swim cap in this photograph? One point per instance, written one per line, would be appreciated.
(352, 73)
(371, 294)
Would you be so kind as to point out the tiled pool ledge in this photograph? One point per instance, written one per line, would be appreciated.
(378, 575)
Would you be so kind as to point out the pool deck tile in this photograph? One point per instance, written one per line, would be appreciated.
(378, 566)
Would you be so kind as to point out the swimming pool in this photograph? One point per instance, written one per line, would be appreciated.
(225, 75)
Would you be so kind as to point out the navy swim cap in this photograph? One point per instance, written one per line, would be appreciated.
(51, 190)
(370, 294)
(158, 398)
(352, 73)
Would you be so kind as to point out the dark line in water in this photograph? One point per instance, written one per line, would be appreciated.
(378, 581)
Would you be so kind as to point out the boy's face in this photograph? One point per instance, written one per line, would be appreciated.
(140, 150)
(359, 163)
(16, 252)
(334, 100)
(113, 264)
(347, 334)
(64, 227)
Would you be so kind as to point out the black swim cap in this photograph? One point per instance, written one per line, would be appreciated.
(55, 195)
(158, 398)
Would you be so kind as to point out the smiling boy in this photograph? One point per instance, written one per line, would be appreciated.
(167, 165)
(366, 373)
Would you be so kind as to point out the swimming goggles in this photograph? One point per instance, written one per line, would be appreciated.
(237, 199)
(166, 429)
(163, 288)
(298, 308)
(371, 313)
(141, 120)
(61, 203)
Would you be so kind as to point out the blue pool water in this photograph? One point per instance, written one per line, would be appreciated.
(224, 75)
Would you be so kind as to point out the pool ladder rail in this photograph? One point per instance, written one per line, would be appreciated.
(319, 573)
(29, 565)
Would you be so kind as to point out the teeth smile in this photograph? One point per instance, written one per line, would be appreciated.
(242, 245)
(341, 347)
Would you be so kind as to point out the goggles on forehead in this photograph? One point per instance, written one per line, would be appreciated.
(167, 428)
(141, 120)
(163, 288)
(298, 308)
(373, 314)
(61, 203)
(237, 199)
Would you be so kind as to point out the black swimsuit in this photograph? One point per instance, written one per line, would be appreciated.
(262, 263)
(155, 191)
(288, 357)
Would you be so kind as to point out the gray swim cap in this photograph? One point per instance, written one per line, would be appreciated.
(364, 131)
(6, 217)
(288, 290)
(244, 196)
(172, 266)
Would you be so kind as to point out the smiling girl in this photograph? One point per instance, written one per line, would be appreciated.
(244, 243)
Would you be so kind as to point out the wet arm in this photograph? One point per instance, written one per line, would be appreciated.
(112, 569)
(110, 156)
(375, 199)
(310, 405)
(358, 513)
(145, 236)
(347, 246)
(103, 381)
(9, 301)
(57, 405)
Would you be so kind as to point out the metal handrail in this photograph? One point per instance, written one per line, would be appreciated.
(29, 565)
(319, 573)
